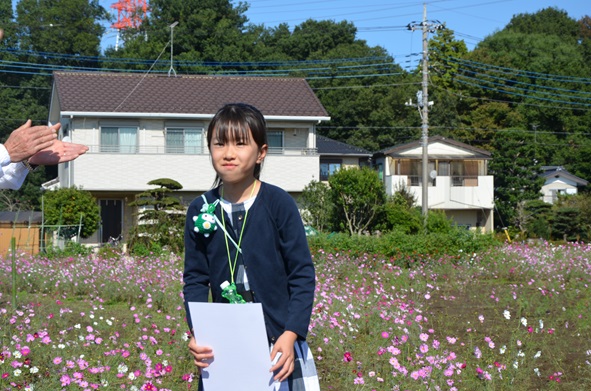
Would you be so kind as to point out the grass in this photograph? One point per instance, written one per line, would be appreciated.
(515, 317)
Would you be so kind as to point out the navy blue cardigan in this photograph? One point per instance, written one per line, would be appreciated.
(275, 254)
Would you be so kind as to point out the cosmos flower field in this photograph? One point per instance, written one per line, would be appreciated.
(515, 317)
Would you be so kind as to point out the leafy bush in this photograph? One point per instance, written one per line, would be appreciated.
(403, 248)
(316, 208)
(71, 207)
(358, 197)
(71, 249)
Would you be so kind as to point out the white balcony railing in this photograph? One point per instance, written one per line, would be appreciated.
(452, 192)
(181, 150)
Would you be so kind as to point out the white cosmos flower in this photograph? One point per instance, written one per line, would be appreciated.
(524, 322)
(538, 354)
(507, 314)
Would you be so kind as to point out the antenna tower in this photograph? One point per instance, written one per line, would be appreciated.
(130, 14)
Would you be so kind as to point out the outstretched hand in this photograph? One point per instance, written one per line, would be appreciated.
(27, 140)
(58, 152)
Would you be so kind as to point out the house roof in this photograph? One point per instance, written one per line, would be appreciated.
(476, 153)
(125, 93)
(21, 216)
(328, 146)
(560, 172)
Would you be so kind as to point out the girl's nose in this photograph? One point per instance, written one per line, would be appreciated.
(229, 152)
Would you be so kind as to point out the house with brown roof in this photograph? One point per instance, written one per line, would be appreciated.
(335, 155)
(458, 183)
(140, 127)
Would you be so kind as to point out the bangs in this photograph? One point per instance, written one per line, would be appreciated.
(231, 131)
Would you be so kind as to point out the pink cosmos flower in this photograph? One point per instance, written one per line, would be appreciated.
(57, 360)
(347, 357)
(65, 379)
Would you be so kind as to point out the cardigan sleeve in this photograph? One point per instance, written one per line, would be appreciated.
(196, 272)
(299, 267)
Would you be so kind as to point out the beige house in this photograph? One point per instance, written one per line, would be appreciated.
(141, 127)
(458, 181)
(559, 181)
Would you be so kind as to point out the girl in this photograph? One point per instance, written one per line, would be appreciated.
(273, 266)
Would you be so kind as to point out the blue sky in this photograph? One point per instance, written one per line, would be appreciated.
(383, 22)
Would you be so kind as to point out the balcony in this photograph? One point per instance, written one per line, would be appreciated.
(448, 192)
(290, 168)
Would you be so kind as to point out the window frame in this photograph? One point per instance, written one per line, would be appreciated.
(184, 149)
(118, 147)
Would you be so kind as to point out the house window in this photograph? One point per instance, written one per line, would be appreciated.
(119, 139)
(184, 140)
(275, 141)
(464, 173)
(443, 169)
(328, 167)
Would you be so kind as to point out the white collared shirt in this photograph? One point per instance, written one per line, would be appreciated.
(12, 175)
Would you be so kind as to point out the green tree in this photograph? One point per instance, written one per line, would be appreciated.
(65, 27)
(72, 207)
(516, 172)
(538, 220)
(161, 219)
(207, 30)
(358, 196)
(316, 206)
(400, 212)
(567, 224)
(443, 47)
(582, 203)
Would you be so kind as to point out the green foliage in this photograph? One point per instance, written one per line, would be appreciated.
(65, 26)
(71, 249)
(567, 224)
(72, 206)
(160, 222)
(438, 222)
(316, 208)
(445, 46)
(358, 196)
(516, 172)
(397, 216)
(403, 248)
(567, 219)
(400, 214)
(539, 215)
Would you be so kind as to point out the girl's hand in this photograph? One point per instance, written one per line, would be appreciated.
(286, 362)
(202, 355)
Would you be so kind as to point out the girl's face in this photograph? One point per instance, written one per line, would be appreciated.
(235, 160)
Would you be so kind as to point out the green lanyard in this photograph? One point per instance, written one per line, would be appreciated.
(231, 264)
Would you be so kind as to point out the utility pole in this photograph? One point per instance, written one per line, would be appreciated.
(423, 103)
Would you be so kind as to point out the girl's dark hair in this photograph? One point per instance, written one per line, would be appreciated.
(237, 121)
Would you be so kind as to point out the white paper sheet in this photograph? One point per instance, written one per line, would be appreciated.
(236, 333)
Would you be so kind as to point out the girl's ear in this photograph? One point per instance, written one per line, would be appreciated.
(262, 153)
